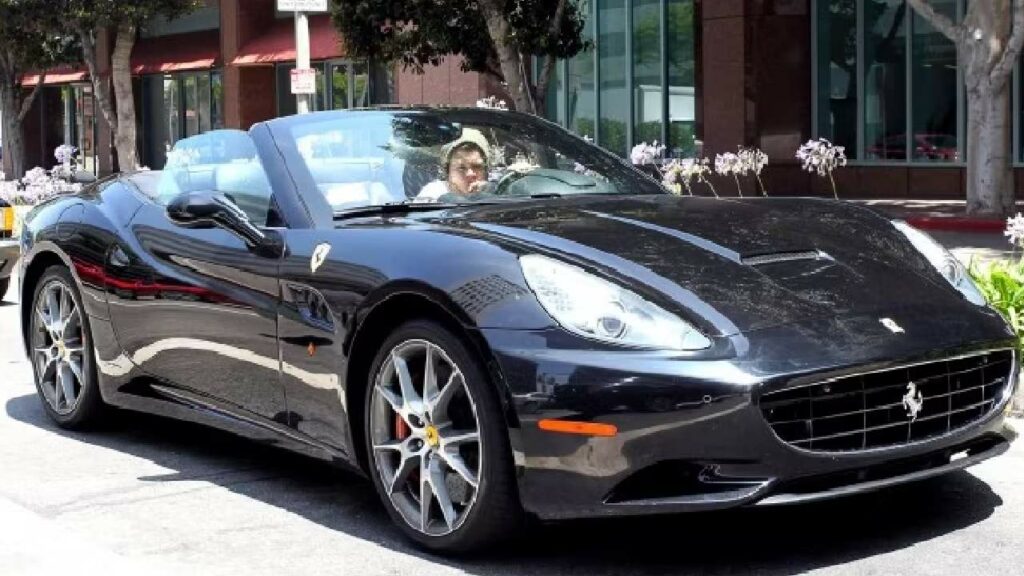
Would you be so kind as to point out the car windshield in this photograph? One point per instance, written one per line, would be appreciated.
(372, 158)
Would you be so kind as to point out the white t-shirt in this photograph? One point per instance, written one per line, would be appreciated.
(432, 191)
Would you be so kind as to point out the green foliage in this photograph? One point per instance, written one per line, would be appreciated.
(92, 13)
(32, 37)
(418, 33)
(1002, 283)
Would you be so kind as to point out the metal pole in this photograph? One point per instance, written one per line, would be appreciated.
(302, 101)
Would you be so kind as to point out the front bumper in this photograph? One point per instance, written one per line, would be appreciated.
(691, 435)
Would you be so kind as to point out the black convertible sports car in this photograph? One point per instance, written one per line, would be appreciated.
(495, 319)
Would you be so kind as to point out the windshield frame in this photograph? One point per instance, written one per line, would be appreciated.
(322, 213)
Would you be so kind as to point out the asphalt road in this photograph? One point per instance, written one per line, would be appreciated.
(145, 496)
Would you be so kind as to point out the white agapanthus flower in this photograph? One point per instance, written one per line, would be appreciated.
(65, 154)
(729, 164)
(754, 161)
(822, 157)
(1015, 230)
(643, 153)
(492, 102)
(686, 171)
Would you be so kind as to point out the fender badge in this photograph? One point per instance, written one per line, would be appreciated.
(319, 256)
(892, 325)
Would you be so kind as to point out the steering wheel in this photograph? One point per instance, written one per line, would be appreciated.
(502, 185)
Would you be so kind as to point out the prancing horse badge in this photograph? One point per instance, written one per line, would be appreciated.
(319, 256)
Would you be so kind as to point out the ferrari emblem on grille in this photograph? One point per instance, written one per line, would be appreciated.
(891, 325)
(319, 255)
(913, 401)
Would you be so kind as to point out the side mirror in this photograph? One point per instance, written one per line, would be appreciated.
(207, 209)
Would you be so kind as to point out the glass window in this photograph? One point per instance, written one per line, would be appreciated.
(203, 86)
(224, 161)
(216, 101)
(360, 85)
(647, 89)
(885, 79)
(580, 83)
(614, 101)
(172, 109)
(837, 73)
(935, 87)
(682, 91)
(339, 87)
(189, 85)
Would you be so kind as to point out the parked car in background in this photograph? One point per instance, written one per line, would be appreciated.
(9, 249)
(939, 147)
(493, 318)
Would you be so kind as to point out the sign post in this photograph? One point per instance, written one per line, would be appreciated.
(302, 74)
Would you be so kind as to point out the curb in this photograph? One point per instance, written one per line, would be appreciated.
(953, 224)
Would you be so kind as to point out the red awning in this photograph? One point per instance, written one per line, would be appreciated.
(61, 75)
(277, 44)
(192, 51)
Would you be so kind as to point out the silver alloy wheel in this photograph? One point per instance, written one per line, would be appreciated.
(58, 347)
(426, 437)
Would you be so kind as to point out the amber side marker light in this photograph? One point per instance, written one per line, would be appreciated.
(583, 428)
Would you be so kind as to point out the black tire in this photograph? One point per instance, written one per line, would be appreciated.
(496, 513)
(5, 283)
(89, 407)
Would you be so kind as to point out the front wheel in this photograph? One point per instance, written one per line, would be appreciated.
(439, 451)
(62, 353)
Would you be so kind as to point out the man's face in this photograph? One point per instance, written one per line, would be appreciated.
(467, 171)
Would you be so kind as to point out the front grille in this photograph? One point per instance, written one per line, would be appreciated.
(871, 410)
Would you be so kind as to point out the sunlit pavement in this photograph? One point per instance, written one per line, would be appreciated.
(146, 496)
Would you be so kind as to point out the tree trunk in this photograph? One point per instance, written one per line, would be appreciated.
(510, 60)
(121, 76)
(989, 172)
(14, 143)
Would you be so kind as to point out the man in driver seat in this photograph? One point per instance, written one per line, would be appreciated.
(464, 163)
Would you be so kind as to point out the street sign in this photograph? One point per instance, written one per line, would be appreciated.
(302, 5)
(303, 81)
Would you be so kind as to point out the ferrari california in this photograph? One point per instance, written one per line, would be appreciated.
(495, 320)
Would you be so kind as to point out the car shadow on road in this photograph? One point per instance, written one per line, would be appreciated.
(780, 540)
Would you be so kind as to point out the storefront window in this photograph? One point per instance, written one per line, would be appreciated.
(612, 68)
(888, 87)
(351, 85)
(176, 106)
(580, 82)
(637, 80)
(80, 123)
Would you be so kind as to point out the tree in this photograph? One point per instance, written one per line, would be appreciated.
(123, 18)
(29, 41)
(988, 43)
(494, 37)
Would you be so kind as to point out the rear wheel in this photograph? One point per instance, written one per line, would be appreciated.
(439, 452)
(62, 353)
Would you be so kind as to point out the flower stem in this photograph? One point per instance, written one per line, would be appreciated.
(739, 189)
(833, 180)
(764, 191)
(712, 186)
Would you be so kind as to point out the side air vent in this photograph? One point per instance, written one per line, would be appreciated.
(777, 257)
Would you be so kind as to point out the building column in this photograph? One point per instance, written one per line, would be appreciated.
(249, 91)
(723, 61)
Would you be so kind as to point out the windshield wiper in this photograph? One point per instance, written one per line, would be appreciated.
(392, 208)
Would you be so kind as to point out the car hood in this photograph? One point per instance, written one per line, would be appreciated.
(735, 264)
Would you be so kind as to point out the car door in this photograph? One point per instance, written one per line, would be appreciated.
(197, 307)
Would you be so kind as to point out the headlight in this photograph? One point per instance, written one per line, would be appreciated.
(594, 308)
(947, 264)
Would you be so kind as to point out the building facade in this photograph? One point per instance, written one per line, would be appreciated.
(700, 76)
